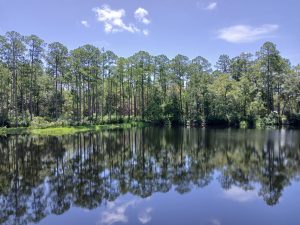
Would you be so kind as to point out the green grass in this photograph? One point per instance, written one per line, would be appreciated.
(57, 131)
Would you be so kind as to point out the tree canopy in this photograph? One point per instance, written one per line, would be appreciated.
(89, 85)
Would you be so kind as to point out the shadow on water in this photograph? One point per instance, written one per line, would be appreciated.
(40, 176)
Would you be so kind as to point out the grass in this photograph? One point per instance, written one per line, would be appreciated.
(64, 130)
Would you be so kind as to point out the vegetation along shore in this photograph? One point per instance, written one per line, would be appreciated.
(46, 85)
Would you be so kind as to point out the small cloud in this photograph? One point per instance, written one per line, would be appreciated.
(243, 33)
(145, 216)
(113, 20)
(146, 32)
(141, 15)
(85, 23)
(240, 195)
(211, 6)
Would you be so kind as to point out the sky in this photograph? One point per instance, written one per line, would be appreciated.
(193, 28)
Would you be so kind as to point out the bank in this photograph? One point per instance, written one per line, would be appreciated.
(64, 130)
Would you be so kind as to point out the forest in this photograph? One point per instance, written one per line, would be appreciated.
(49, 85)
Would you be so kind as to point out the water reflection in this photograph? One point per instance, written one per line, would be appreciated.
(116, 213)
(238, 194)
(40, 176)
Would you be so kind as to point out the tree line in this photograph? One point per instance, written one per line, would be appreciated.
(42, 82)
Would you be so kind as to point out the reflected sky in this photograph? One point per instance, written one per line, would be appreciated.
(240, 195)
(207, 206)
(151, 176)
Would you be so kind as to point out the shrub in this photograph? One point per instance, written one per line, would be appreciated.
(39, 122)
(259, 123)
(244, 124)
(42, 122)
(270, 120)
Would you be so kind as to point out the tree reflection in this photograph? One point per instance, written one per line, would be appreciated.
(48, 175)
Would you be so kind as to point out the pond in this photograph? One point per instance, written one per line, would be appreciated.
(151, 176)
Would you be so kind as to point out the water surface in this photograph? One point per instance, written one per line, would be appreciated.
(152, 176)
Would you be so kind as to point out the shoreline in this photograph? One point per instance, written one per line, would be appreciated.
(65, 130)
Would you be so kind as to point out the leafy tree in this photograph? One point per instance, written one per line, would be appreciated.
(4, 95)
(35, 55)
(223, 64)
(269, 62)
(76, 87)
(179, 66)
(240, 66)
(12, 53)
(57, 63)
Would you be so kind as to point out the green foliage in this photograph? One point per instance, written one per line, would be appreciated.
(154, 110)
(42, 122)
(39, 122)
(172, 111)
(244, 124)
(55, 130)
(48, 85)
(270, 120)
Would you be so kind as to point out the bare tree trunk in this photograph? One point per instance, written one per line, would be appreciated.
(31, 86)
(56, 88)
(15, 91)
(143, 100)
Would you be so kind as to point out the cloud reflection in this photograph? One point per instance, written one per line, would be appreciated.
(240, 195)
(215, 222)
(145, 217)
(116, 213)
(212, 222)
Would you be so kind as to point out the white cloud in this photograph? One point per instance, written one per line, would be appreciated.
(113, 20)
(145, 217)
(85, 23)
(146, 32)
(211, 6)
(240, 195)
(140, 14)
(243, 33)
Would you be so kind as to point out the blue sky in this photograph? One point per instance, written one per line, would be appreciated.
(191, 27)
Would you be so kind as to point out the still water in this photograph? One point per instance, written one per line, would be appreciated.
(152, 176)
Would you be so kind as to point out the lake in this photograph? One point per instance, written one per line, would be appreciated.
(152, 176)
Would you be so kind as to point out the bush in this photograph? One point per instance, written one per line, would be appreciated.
(244, 124)
(39, 122)
(270, 120)
(259, 123)
(42, 122)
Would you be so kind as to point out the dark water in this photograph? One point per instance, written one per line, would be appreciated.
(152, 176)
